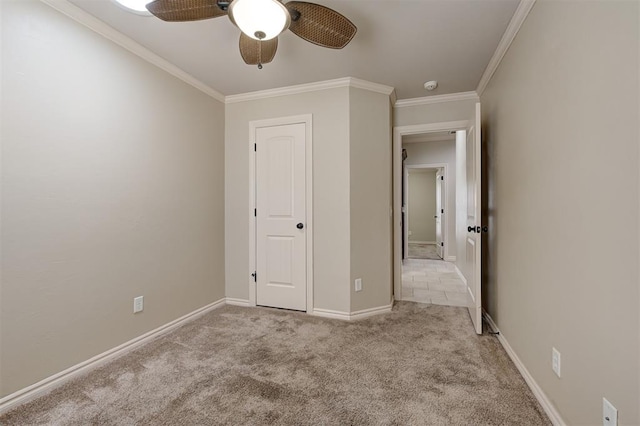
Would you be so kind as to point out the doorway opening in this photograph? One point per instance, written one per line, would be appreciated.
(423, 204)
(467, 218)
(428, 214)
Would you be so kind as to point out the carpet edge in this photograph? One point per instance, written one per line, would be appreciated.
(47, 384)
(537, 391)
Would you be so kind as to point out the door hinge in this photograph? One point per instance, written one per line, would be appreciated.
(441, 244)
(441, 177)
(255, 147)
(255, 212)
(441, 210)
(255, 277)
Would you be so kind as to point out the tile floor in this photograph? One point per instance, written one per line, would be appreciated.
(423, 251)
(432, 281)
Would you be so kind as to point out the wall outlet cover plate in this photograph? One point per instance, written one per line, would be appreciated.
(555, 361)
(138, 304)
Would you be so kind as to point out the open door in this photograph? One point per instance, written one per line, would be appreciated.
(439, 213)
(473, 238)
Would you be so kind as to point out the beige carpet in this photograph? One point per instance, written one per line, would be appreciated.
(423, 251)
(419, 365)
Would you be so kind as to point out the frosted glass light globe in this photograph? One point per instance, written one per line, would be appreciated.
(260, 19)
(137, 6)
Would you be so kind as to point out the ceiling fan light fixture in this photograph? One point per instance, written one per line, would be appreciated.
(260, 19)
(136, 6)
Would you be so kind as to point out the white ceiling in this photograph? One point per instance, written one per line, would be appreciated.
(399, 43)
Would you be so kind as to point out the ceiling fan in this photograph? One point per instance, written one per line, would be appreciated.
(261, 21)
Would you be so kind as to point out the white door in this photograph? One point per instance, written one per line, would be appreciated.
(439, 213)
(474, 221)
(281, 213)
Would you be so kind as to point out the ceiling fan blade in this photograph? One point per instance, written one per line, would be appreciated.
(256, 52)
(185, 10)
(320, 25)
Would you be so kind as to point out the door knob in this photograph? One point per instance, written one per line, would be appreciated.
(485, 229)
(470, 229)
(300, 225)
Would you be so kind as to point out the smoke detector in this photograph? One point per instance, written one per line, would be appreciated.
(430, 85)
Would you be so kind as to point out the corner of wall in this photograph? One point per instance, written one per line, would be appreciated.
(370, 173)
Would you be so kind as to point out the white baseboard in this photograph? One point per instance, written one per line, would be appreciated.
(450, 259)
(371, 311)
(542, 398)
(348, 316)
(43, 386)
(46, 385)
(422, 242)
(236, 302)
(328, 313)
(464, 280)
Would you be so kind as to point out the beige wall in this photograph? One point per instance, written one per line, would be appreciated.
(331, 220)
(370, 198)
(422, 205)
(112, 187)
(433, 113)
(351, 168)
(441, 152)
(561, 130)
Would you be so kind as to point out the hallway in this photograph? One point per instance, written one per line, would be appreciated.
(423, 251)
(432, 281)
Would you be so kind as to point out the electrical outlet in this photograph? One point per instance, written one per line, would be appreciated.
(609, 413)
(358, 284)
(138, 304)
(555, 361)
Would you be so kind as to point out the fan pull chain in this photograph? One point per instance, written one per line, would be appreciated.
(260, 35)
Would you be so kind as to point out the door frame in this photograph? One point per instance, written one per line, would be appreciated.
(398, 133)
(445, 234)
(307, 120)
(441, 201)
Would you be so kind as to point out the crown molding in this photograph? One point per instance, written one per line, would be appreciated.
(372, 87)
(312, 87)
(427, 100)
(393, 97)
(509, 35)
(96, 25)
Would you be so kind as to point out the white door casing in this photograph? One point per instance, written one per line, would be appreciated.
(439, 212)
(442, 169)
(473, 240)
(405, 211)
(281, 191)
(398, 133)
